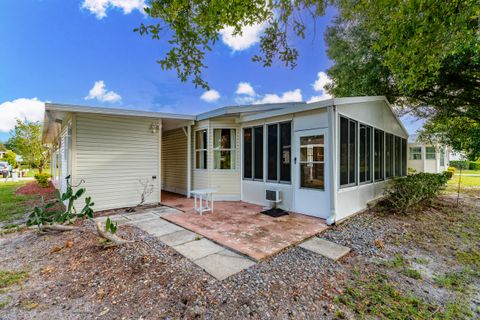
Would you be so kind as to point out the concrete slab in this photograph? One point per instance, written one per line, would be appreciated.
(113, 217)
(158, 228)
(179, 237)
(141, 216)
(163, 211)
(325, 248)
(224, 264)
(198, 249)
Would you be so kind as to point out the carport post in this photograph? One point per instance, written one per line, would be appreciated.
(189, 159)
(159, 160)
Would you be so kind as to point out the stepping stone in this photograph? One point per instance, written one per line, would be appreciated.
(141, 216)
(224, 264)
(198, 249)
(179, 237)
(325, 248)
(158, 227)
(161, 212)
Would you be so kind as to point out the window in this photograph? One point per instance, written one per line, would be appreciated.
(258, 153)
(404, 157)
(312, 162)
(278, 152)
(398, 156)
(442, 157)
(272, 154)
(348, 148)
(430, 153)
(388, 155)
(365, 153)
(286, 150)
(378, 156)
(247, 153)
(415, 153)
(224, 141)
(201, 149)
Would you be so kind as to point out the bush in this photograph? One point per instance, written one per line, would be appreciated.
(460, 164)
(403, 193)
(42, 179)
(448, 174)
(474, 166)
(452, 169)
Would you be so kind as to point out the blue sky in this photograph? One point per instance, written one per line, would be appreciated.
(57, 50)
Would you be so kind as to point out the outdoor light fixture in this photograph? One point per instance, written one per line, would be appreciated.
(154, 127)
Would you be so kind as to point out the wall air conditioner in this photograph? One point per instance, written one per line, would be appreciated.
(273, 196)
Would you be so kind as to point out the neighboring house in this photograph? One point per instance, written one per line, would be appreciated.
(327, 159)
(425, 157)
(2, 153)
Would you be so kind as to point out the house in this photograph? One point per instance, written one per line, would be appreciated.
(423, 157)
(326, 159)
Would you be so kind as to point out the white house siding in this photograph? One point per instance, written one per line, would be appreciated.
(174, 161)
(111, 155)
(378, 115)
(226, 182)
(428, 165)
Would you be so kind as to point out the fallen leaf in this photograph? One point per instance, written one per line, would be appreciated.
(69, 244)
(47, 270)
(56, 249)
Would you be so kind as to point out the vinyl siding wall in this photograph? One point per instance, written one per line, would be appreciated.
(226, 182)
(111, 155)
(174, 161)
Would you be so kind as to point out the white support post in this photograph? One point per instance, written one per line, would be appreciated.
(189, 160)
(159, 160)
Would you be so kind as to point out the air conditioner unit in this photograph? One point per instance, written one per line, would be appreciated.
(273, 196)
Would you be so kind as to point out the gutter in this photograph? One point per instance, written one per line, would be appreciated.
(332, 116)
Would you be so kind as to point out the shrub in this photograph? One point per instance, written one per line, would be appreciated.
(474, 165)
(460, 164)
(42, 179)
(411, 170)
(452, 169)
(403, 193)
(448, 174)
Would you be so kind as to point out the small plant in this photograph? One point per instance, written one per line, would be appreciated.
(42, 179)
(448, 174)
(452, 169)
(457, 281)
(110, 226)
(412, 273)
(146, 189)
(411, 171)
(10, 278)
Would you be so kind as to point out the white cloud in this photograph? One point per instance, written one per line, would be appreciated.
(99, 92)
(23, 108)
(210, 96)
(99, 7)
(245, 88)
(250, 36)
(319, 85)
(287, 96)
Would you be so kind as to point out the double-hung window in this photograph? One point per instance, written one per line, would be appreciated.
(348, 151)
(253, 153)
(201, 149)
(442, 157)
(430, 153)
(278, 152)
(378, 155)
(365, 153)
(415, 153)
(224, 141)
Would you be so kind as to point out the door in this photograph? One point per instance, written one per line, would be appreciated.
(311, 173)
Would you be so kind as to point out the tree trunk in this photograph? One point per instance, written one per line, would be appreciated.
(110, 237)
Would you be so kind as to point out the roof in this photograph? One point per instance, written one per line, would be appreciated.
(249, 109)
(413, 138)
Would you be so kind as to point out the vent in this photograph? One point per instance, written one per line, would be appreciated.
(273, 195)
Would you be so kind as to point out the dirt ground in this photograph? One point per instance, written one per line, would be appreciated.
(423, 265)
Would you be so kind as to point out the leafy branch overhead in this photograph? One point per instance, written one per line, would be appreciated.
(191, 29)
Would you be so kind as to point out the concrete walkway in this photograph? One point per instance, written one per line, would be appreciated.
(216, 260)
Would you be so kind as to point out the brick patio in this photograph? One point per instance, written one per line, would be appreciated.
(241, 227)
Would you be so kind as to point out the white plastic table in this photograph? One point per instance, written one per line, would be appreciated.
(203, 194)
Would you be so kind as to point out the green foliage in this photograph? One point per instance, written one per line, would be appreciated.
(26, 141)
(58, 213)
(13, 206)
(412, 273)
(448, 174)
(451, 169)
(459, 164)
(42, 179)
(474, 165)
(110, 226)
(403, 193)
(457, 281)
(411, 171)
(194, 27)
(10, 278)
(10, 157)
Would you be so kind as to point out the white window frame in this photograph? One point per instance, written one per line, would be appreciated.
(200, 150)
(430, 153)
(233, 149)
(279, 152)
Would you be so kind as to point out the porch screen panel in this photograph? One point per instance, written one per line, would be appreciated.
(348, 151)
(398, 156)
(378, 155)
(272, 152)
(365, 153)
(388, 155)
(247, 153)
(404, 157)
(286, 150)
(258, 153)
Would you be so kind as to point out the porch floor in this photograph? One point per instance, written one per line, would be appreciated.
(242, 227)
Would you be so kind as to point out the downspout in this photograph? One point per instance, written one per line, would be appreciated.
(332, 125)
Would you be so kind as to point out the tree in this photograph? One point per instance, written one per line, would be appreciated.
(195, 26)
(11, 158)
(26, 140)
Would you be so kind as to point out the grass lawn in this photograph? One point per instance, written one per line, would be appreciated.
(13, 207)
(466, 182)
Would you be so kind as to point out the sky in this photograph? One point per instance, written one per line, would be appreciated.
(85, 52)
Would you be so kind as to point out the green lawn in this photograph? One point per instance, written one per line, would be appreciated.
(466, 181)
(468, 172)
(13, 207)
